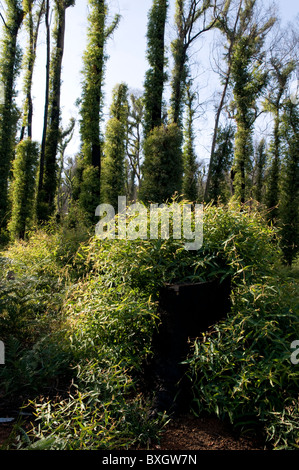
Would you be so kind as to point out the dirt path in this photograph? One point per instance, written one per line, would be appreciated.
(204, 433)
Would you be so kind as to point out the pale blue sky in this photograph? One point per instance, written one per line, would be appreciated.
(126, 61)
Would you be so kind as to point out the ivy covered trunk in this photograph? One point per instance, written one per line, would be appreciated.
(87, 184)
(23, 188)
(155, 76)
(47, 192)
(9, 67)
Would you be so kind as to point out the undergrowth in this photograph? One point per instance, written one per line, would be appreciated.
(77, 317)
(242, 369)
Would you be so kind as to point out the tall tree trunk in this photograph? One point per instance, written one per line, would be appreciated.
(273, 189)
(87, 181)
(215, 133)
(155, 76)
(281, 74)
(46, 106)
(46, 200)
(9, 67)
(186, 18)
(232, 36)
(33, 29)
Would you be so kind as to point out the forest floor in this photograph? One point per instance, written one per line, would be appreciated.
(188, 432)
(184, 432)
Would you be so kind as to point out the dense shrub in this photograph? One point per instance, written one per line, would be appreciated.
(242, 370)
(107, 295)
(24, 176)
(33, 285)
(162, 166)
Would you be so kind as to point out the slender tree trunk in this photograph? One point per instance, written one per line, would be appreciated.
(10, 66)
(49, 183)
(155, 76)
(272, 199)
(186, 17)
(178, 82)
(31, 57)
(273, 191)
(46, 107)
(232, 38)
(87, 181)
(215, 133)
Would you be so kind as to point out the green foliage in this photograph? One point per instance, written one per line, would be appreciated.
(190, 176)
(35, 255)
(162, 168)
(96, 331)
(77, 315)
(179, 76)
(106, 334)
(249, 79)
(23, 188)
(37, 368)
(113, 175)
(259, 168)
(90, 161)
(32, 22)
(280, 74)
(46, 202)
(103, 417)
(242, 369)
(10, 62)
(111, 313)
(289, 208)
(179, 53)
(272, 196)
(221, 165)
(87, 188)
(93, 72)
(155, 77)
(32, 289)
(35, 278)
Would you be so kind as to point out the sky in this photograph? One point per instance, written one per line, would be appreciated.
(126, 62)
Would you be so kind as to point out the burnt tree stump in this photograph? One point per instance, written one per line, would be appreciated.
(186, 311)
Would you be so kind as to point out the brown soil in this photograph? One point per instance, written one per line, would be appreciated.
(205, 433)
(5, 431)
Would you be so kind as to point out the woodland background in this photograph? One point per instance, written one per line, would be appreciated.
(77, 314)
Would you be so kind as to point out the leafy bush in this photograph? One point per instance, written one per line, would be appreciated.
(107, 296)
(37, 369)
(162, 166)
(23, 187)
(32, 291)
(242, 369)
(32, 288)
(102, 412)
(235, 243)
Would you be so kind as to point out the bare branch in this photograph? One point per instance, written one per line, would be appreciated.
(3, 20)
